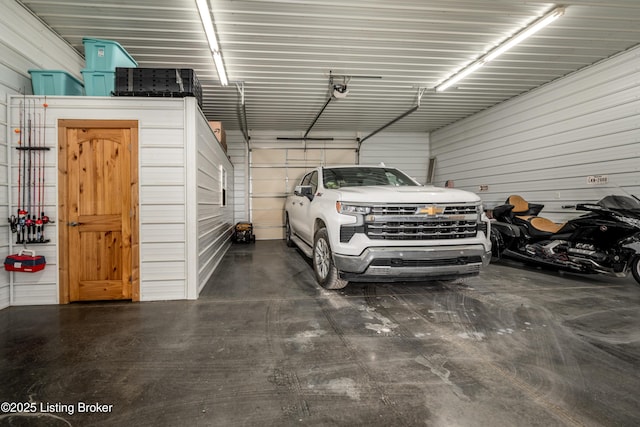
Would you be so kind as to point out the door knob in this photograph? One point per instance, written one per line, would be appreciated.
(73, 224)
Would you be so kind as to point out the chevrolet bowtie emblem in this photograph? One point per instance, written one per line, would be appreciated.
(430, 210)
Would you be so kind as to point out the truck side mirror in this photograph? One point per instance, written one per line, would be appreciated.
(304, 191)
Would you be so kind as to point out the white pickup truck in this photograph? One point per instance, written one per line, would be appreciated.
(374, 223)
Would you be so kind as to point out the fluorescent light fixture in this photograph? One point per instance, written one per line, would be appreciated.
(530, 30)
(459, 75)
(207, 23)
(503, 47)
(217, 59)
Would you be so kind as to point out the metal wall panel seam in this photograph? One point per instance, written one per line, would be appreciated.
(190, 141)
(7, 188)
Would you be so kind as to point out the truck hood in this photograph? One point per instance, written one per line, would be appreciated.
(391, 194)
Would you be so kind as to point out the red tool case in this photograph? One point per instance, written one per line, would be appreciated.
(25, 261)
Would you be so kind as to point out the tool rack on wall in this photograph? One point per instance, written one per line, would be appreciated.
(28, 223)
(30, 219)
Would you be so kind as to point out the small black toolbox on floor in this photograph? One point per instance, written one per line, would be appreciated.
(170, 82)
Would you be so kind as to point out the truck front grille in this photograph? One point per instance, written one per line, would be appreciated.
(401, 262)
(420, 222)
(413, 209)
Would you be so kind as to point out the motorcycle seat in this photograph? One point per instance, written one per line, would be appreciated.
(545, 224)
(519, 204)
(522, 207)
(540, 224)
(528, 212)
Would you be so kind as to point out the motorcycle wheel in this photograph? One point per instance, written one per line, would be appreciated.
(635, 269)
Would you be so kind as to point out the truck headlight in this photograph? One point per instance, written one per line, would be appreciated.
(348, 209)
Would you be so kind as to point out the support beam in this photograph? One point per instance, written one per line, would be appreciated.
(318, 116)
(242, 113)
(400, 117)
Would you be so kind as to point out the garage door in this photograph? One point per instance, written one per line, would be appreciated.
(274, 174)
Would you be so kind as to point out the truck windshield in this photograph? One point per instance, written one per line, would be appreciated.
(362, 176)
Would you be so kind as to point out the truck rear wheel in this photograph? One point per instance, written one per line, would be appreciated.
(325, 270)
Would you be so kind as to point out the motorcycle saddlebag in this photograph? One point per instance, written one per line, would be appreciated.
(25, 261)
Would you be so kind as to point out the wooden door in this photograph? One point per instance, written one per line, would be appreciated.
(99, 188)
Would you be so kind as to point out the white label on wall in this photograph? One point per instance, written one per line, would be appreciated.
(597, 179)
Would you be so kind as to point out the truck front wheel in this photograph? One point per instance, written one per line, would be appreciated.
(326, 272)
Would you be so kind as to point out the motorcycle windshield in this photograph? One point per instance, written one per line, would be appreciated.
(615, 198)
(619, 202)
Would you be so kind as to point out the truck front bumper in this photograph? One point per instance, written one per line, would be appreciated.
(411, 263)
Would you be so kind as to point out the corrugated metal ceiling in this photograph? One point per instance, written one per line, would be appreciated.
(283, 52)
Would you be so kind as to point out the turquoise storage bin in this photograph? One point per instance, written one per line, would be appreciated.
(99, 83)
(55, 82)
(106, 55)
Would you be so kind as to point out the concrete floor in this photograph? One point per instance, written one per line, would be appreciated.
(265, 346)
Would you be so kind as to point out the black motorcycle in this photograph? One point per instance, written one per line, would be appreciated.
(605, 240)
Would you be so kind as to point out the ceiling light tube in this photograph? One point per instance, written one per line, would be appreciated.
(502, 48)
(207, 23)
(460, 75)
(526, 33)
(222, 74)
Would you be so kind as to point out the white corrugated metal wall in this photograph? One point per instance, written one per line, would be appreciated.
(215, 209)
(545, 144)
(238, 152)
(408, 152)
(17, 55)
